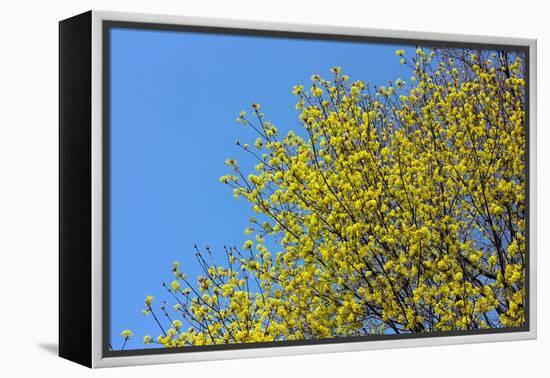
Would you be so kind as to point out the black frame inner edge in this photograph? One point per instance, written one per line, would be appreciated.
(107, 25)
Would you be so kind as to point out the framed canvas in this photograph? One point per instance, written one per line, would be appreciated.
(240, 189)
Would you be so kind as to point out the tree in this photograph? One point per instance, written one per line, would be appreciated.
(401, 210)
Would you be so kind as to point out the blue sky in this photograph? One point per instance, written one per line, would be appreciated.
(174, 100)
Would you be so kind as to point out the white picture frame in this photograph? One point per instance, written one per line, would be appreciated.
(95, 356)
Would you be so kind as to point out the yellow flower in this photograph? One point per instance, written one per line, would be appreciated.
(231, 162)
(225, 179)
(177, 324)
(400, 83)
(298, 89)
(126, 334)
(474, 257)
(175, 286)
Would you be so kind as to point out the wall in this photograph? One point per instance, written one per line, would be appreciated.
(28, 190)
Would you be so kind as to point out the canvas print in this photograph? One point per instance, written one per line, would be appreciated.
(288, 189)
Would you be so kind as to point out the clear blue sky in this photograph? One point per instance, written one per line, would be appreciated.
(174, 100)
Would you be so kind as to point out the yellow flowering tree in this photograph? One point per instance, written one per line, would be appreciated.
(400, 209)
